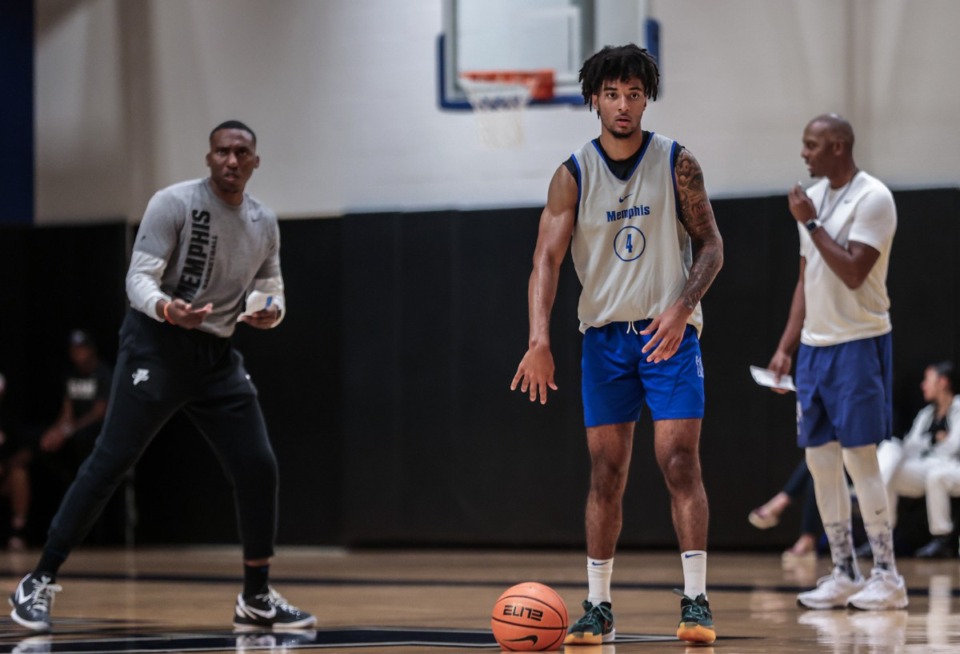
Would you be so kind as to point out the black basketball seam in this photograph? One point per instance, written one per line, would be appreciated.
(514, 624)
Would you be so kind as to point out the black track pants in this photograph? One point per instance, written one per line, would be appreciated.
(161, 369)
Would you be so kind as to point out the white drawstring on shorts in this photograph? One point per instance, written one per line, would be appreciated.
(633, 327)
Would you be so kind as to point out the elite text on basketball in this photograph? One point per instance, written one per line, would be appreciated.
(523, 611)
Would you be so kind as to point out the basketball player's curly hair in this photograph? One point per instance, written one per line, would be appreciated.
(619, 63)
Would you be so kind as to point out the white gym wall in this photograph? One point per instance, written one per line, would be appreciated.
(342, 95)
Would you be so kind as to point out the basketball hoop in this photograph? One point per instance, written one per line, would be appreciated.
(498, 99)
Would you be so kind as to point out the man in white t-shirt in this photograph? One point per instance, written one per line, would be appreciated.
(840, 320)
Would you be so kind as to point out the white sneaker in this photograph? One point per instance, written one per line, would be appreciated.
(880, 630)
(832, 591)
(830, 625)
(884, 590)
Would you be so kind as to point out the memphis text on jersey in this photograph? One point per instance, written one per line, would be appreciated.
(614, 216)
(201, 253)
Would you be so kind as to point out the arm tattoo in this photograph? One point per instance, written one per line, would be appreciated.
(696, 215)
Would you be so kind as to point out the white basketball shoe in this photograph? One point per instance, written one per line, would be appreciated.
(885, 590)
(832, 591)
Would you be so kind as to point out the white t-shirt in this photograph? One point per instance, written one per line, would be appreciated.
(864, 212)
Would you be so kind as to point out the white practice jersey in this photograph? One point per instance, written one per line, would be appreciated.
(630, 250)
(863, 212)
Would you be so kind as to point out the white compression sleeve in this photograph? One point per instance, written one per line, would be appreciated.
(864, 469)
(833, 500)
(826, 468)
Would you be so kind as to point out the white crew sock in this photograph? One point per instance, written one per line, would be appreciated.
(694, 573)
(599, 574)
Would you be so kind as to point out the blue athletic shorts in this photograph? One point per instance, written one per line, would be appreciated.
(845, 392)
(617, 379)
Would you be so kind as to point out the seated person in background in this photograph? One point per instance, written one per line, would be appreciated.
(84, 402)
(932, 444)
(14, 477)
(59, 449)
(943, 483)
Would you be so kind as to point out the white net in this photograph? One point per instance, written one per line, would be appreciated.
(498, 107)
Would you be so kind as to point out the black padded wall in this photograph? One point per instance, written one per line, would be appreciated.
(386, 389)
(438, 451)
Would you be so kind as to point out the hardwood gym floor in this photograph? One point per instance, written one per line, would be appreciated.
(181, 600)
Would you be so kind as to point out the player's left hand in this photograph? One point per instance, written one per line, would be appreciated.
(667, 330)
(52, 440)
(263, 319)
(801, 206)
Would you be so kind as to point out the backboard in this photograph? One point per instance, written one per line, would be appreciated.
(528, 35)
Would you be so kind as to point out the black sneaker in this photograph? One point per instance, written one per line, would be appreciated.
(595, 627)
(696, 620)
(941, 547)
(32, 601)
(269, 611)
(279, 642)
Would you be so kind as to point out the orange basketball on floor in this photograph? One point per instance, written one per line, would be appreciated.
(529, 617)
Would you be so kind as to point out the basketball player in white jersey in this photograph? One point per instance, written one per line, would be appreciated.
(632, 206)
(840, 320)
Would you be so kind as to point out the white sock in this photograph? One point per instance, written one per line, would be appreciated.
(840, 537)
(880, 536)
(599, 574)
(694, 573)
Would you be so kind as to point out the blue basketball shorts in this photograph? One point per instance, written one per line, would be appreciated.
(845, 393)
(617, 379)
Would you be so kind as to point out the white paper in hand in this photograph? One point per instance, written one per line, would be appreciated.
(767, 378)
(257, 301)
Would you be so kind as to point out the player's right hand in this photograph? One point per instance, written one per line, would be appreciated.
(182, 314)
(801, 206)
(780, 365)
(535, 374)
